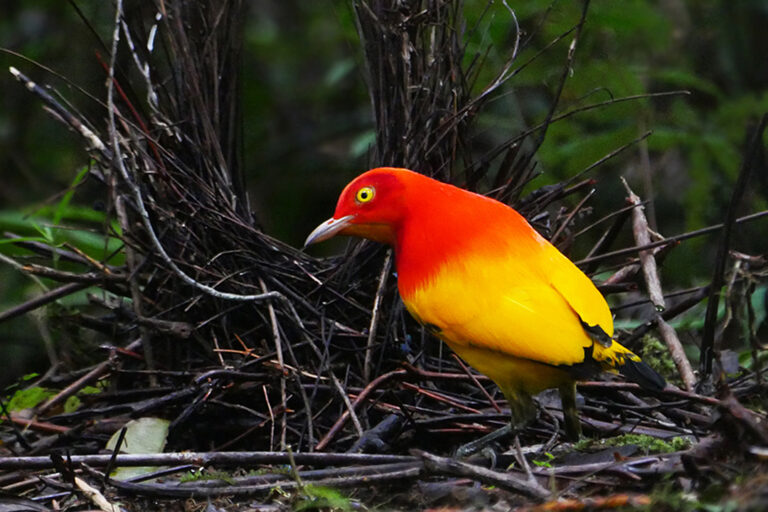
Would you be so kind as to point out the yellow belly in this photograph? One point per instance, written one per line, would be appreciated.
(513, 375)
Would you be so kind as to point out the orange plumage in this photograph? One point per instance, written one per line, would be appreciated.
(482, 279)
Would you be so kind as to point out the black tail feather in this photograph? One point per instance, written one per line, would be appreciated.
(642, 374)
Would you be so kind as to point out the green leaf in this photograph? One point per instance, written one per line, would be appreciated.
(72, 404)
(143, 435)
(28, 398)
(22, 239)
(64, 203)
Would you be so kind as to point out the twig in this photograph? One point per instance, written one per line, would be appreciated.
(279, 350)
(362, 396)
(477, 382)
(93, 140)
(612, 502)
(710, 318)
(373, 327)
(363, 477)
(631, 386)
(567, 70)
(350, 412)
(206, 459)
(80, 383)
(677, 238)
(42, 426)
(42, 300)
(647, 261)
(524, 462)
(448, 466)
(653, 284)
(667, 314)
(133, 263)
(440, 397)
(564, 225)
(96, 496)
(70, 277)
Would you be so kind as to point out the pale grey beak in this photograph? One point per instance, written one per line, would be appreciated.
(327, 229)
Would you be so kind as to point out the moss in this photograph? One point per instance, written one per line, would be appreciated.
(316, 497)
(647, 443)
(207, 474)
(656, 355)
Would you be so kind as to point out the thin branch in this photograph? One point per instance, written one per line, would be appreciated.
(373, 327)
(677, 238)
(454, 467)
(653, 284)
(360, 398)
(206, 459)
(710, 318)
(42, 300)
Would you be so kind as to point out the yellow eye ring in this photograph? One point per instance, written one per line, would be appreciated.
(364, 195)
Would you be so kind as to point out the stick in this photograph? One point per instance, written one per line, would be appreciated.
(42, 300)
(677, 238)
(362, 396)
(448, 466)
(283, 372)
(373, 327)
(648, 263)
(80, 383)
(93, 140)
(95, 496)
(710, 318)
(206, 459)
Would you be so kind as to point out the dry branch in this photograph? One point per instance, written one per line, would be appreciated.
(454, 467)
(648, 263)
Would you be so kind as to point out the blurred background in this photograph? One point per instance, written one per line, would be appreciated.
(308, 125)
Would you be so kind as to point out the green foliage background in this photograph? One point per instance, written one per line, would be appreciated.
(308, 122)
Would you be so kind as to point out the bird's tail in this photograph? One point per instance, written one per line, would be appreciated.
(642, 374)
(616, 357)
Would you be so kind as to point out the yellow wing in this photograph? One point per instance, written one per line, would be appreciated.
(527, 311)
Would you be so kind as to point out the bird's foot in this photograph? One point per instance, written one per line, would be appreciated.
(485, 442)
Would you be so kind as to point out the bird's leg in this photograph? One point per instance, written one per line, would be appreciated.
(522, 409)
(570, 414)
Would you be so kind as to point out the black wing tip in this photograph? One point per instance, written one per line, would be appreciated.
(642, 374)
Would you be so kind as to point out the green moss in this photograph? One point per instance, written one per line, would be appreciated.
(207, 474)
(316, 497)
(656, 355)
(647, 443)
(546, 463)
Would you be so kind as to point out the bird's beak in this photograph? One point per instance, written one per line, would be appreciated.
(328, 229)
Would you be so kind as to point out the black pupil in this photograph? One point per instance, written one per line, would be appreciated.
(364, 194)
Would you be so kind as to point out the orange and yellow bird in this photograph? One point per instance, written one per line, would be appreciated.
(475, 273)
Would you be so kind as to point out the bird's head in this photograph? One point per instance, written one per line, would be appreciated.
(372, 206)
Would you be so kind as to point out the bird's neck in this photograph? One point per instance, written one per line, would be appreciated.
(449, 231)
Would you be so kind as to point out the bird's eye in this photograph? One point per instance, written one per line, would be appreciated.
(364, 195)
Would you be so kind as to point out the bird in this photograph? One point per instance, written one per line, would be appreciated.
(477, 275)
